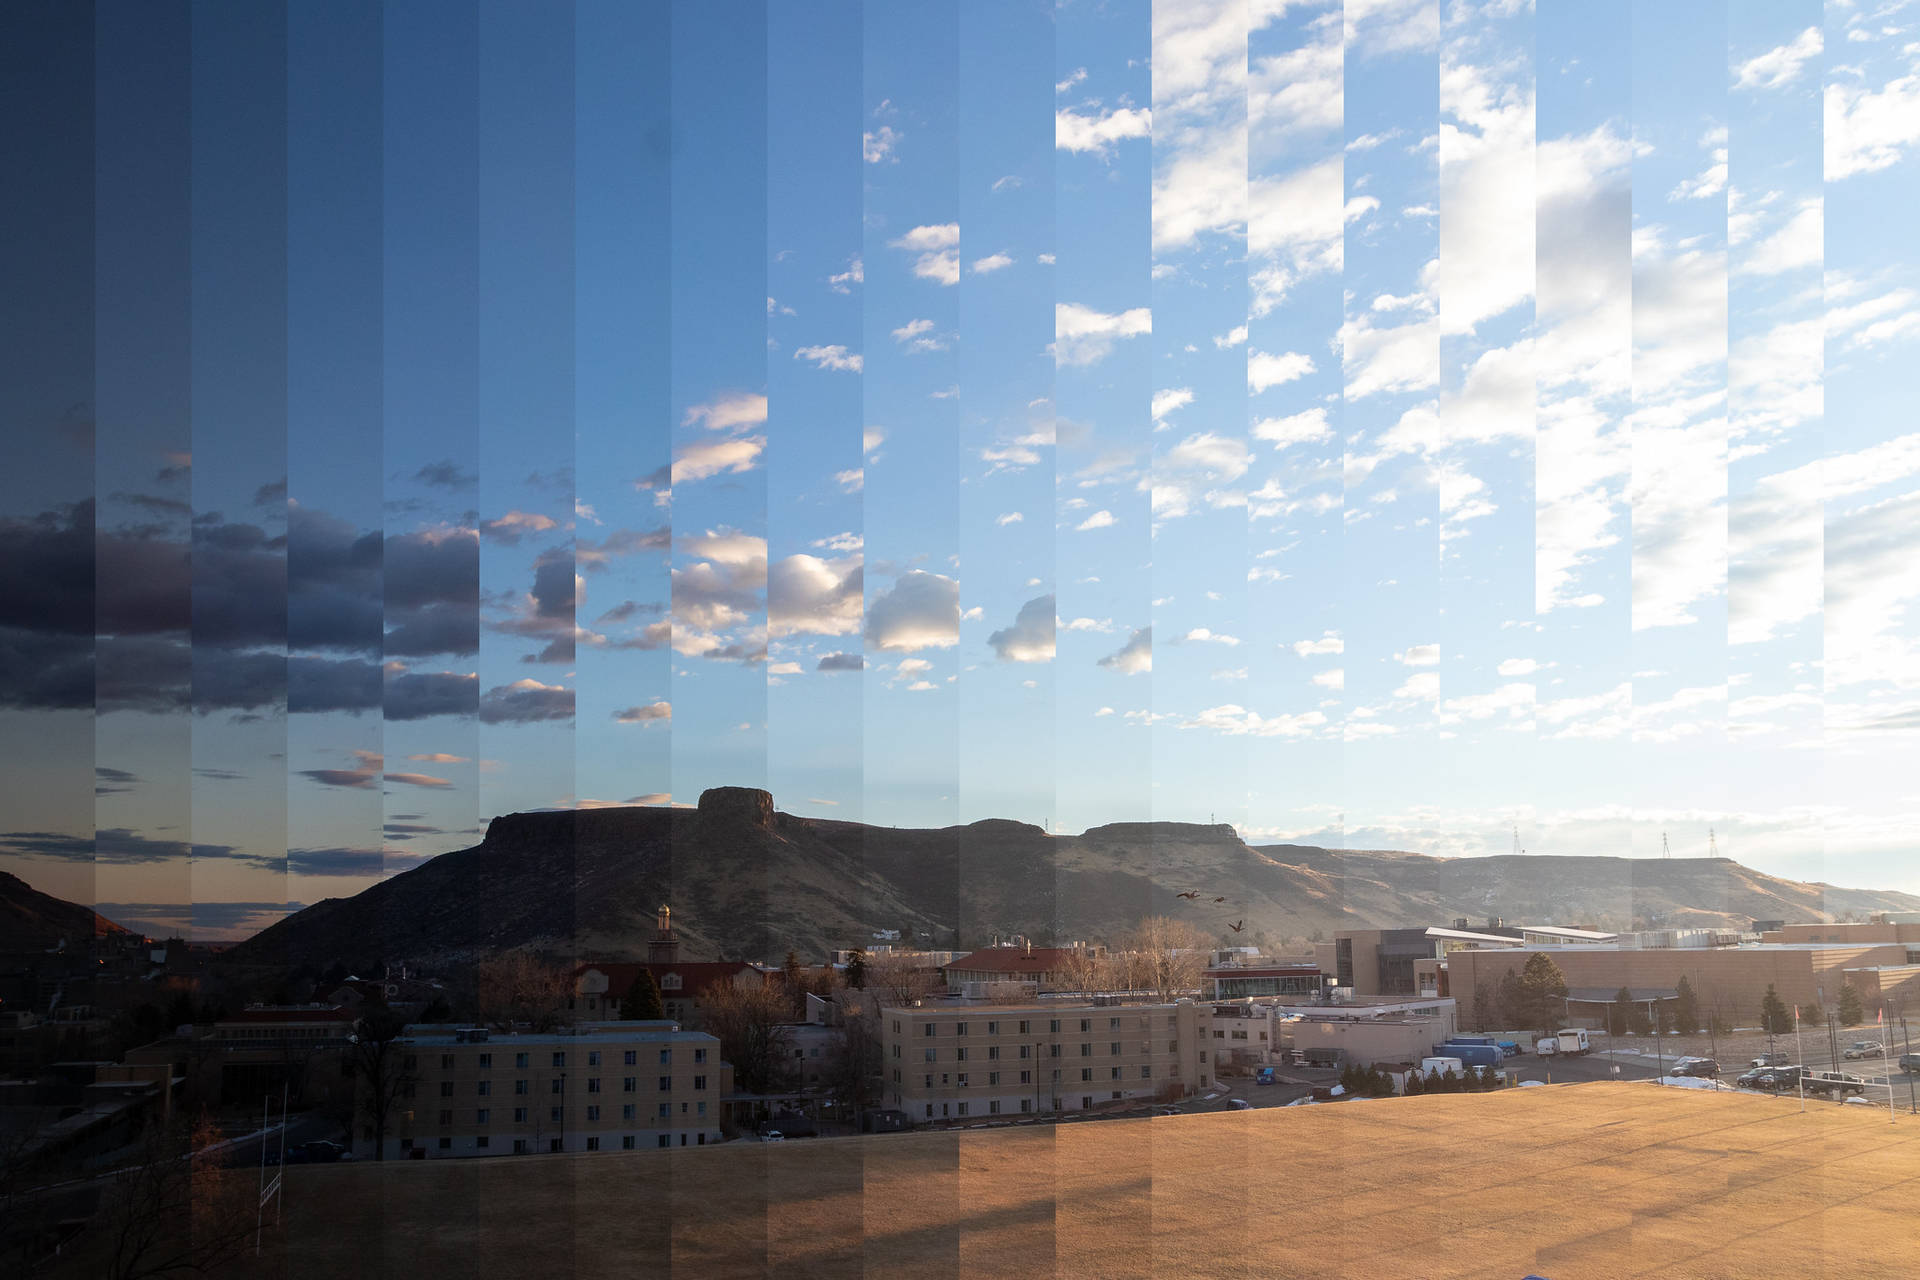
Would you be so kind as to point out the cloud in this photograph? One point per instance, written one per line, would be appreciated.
(1779, 66)
(843, 281)
(1232, 338)
(1310, 427)
(991, 263)
(1133, 657)
(1083, 335)
(834, 358)
(876, 145)
(1098, 133)
(810, 595)
(646, 713)
(1801, 242)
(729, 411)
(525, 702)
(937, 250)
(704, 458)
(1168, 399)
(1265, 370)
(918, 336)
(920, 611)
(1237, 721)
(841, 662)
(1098, 520)
(1419, 655)
(511, 527)
(1008, 517)
(1391, 359)
(1200, 635)
(1329, 642)
(1030, 638)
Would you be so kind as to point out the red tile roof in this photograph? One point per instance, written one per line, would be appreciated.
(1012, 960)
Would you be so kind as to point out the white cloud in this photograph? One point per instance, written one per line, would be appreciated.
(1799, 243)
(648, 713)
(1082, 335)
(1423, 686)
(1030, 638)
(937, 248)
(1098, 520)
(728, 411)
(872, 438)
(1710, 181)
(703, 458)
(1390, 360)
(1779, 66)
(1334, 678)
(1329, 642)
(1518, 667)
(1419, 655)
(1868, 129)
(876, 145)
(1010, 517)
(835, 357)
(1265, 369)
(991, 263)
(1237, 721)
(1487, 176)
(1295, 228)
(809, 595)
(843, 282)
(1099, 133)
(1310, 427)
(1167, 399)
(1133, 657)
(1232, 338)
(918, 336)
(1200, 635)
(920, 611)
(851, 481)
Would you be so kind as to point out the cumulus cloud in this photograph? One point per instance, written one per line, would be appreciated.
(810, 595)
(920, 611)
(1030, 638)
(1781, 65)
(835, 357)
(1265, 369)
(646, 713)
(1133, 657)
(936, 251)
(1098, 133)
(1083, 335)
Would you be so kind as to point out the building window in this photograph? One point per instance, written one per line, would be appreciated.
(484, 1087)
(446, 1144)
(593, 1084)
(1146, 1073)
(961, 1080)
(666, 1057)
(481, 1116)
(665, 1140)
(593, 1113)
(929, 1055)
(446, 1062)
(1053, 1051)
(1024, 1050)
(519, 1115)
(663, 1112)
(993, 1077)
(1086, 1073)
(963, 1108)
(993, 1052)
(554, 1114)
(446, 1118)
(1056, 1075)
(993, 1107)
(486, 1062)
(626, 1142)
(559, 1060)
(929, 1082)
(666, 1084)
(1086, 1050)
(701, 1108)
(929, 1028)
(1023, 1026)
(1086, 1024)
(1113, 1024)
(1053, 1025)
(960, 1054)
(699, 1082)
(631, 1084)
(593, 1057)
(446, 1088)
(993, 1028)
(520, 1086)
(519, 1146)
(520, 1061)
(630, 1058)
(1173, 1046)
(593, 1144)
(1203, 1055)
(1113, 1049)
(626, 1111)
(1115, 1073)
(699, 1057)
(556, 1084)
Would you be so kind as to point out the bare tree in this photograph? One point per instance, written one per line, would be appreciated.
(1085, 970)
(174, 1211)
(854, 1071)
(901, 981)
(1168, 957)
(519, 986)
(750, 1023)
(382, 1069)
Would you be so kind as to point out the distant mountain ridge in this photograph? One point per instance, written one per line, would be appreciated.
(35, 921)
(747, 881)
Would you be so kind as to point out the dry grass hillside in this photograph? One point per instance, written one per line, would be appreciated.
(1573, 1183)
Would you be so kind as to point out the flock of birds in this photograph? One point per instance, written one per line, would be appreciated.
(1193, 895)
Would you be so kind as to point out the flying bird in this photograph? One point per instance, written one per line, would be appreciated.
(1189, 894)
(1237, 927)
(1219, 899)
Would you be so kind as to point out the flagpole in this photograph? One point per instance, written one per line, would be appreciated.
(1800, 1053)
(1886, 1069)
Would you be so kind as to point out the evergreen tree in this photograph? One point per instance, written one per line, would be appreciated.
(1686, 1008)
(1812, 1015)
(857, 969)
(1510, 1000)
(642, 1003)
(1638, 1023)
(1851, 1013)
(1619, 1013)
(1416, 1084)
(1774, 1014)
(1483, 1011)
(1542, 992)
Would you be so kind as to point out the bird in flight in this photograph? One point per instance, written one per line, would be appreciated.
(1238, 926)
(1219, 899)
(1189, 894)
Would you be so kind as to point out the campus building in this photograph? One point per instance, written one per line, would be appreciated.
(957, 1062)
(606, 1086)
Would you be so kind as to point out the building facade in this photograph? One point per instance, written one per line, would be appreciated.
(607, 1086)
(963, 1062)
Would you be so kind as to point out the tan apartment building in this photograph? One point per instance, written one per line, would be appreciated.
(1730, 980)
(959, 1062)
(606, 1086)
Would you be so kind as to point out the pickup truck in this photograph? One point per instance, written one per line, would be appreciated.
(1835, 1084)
(1770, 1060)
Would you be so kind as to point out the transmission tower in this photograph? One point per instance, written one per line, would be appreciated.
(1665, 850)
(1713, 844)
(1516, 839)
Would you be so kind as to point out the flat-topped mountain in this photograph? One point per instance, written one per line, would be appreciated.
(748, 881)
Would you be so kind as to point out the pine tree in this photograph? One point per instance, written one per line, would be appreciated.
(1812, 1015)
(1619, 1013)
(1686, 1008)
(1774, 1015)
(642, 1003)
(1851, 1013)
(1542, 991)
(857, 969)
(1415, 1084)
(1510, 1000)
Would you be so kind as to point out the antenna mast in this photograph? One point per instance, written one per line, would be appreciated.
(1713, 844)
(1665, 850)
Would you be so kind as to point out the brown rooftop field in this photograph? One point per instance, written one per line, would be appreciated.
(1596, 1180)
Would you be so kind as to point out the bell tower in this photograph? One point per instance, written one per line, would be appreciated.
(664, 948)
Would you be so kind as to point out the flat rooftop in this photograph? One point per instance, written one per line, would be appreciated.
(1590, 1180)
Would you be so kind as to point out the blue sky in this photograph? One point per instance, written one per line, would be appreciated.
(1391, 424)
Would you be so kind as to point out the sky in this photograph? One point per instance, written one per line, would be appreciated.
(1456, 427)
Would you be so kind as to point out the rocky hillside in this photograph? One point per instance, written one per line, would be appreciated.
(747, 881)
(33, 921)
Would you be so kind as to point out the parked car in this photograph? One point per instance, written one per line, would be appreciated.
(1770, 1060)
(773, 1135)
(319, 1151)
(1910, 1062)
(1700, 1068)
(1263, 1076)
(1863, 1049)
(1239, 1104)
(1751, 1079)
